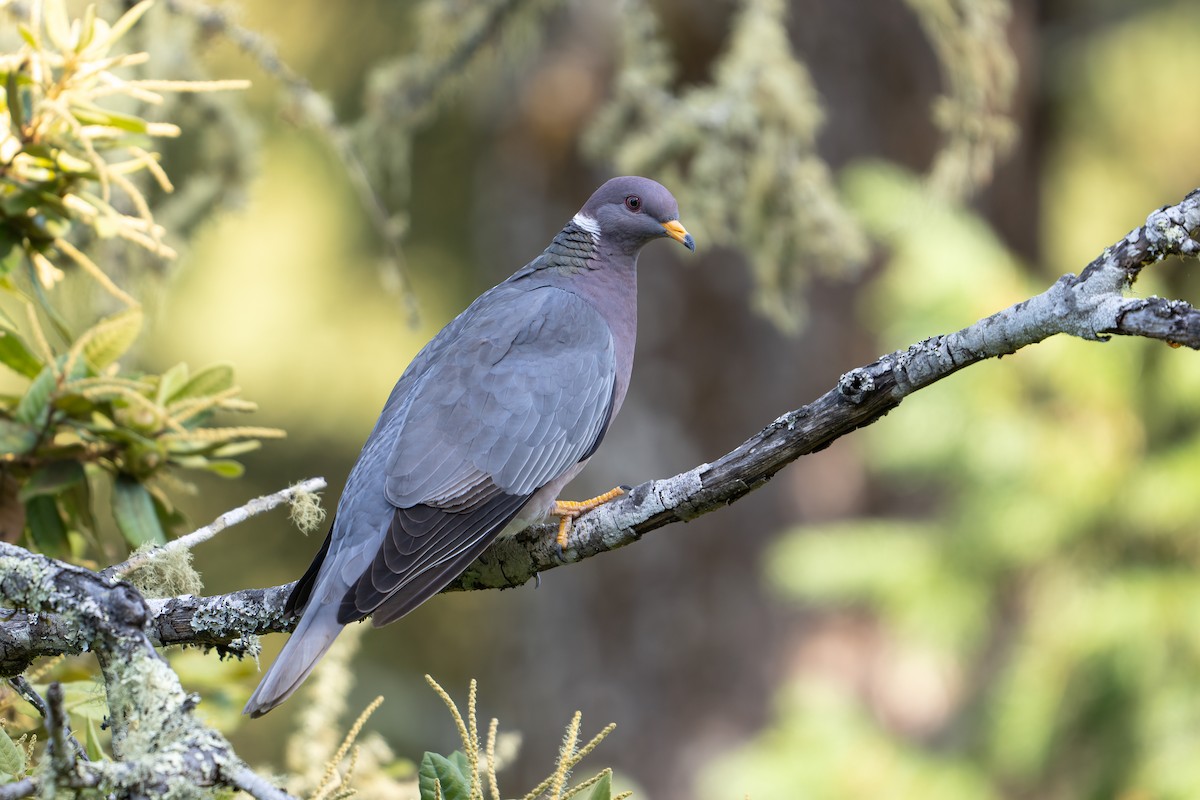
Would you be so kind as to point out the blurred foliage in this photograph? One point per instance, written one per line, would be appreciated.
(1043, 604)
(741, 154)
(71, 153)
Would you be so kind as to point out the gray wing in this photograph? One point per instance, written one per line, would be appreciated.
(522, 393)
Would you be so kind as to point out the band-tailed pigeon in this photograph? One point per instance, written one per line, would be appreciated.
(485, 427)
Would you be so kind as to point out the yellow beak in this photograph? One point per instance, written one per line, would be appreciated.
(677, 232)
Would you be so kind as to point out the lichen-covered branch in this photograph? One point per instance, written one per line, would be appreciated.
(159, 746)
(1091, 306)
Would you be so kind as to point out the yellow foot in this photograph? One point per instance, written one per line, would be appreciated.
(567, 510)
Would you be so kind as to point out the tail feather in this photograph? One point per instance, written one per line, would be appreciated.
(312, 638)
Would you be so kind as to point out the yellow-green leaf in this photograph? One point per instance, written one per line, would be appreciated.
(205, 383)
(171, 382)
(28, 35)
(110, 338)
(83, 698)
(17, 356)
(94, 751)
(110, 119)
(58, 24)
(12, 757)
(225, 468)
(127, 21)
(87, 30)
(16, 111)
(234, 449)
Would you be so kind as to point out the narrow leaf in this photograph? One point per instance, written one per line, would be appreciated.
(133, 510)
(46, 527)
(12, 757)
(205, 383)
(237, 448)
(224, 468)
(17, 356)
(12, 95)
(438, 769)
(94, 751)
(28, 35)
(602, 789)
(16, 438)
(52, 479)
(171, 382)
(34, 404)
(109, 119)
(110, 338)
(58, 25)
(12, 252)
(127, 21)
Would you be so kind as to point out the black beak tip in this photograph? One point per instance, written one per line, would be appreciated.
(689, 243)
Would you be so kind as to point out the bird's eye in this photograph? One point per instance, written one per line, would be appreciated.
(633, 203)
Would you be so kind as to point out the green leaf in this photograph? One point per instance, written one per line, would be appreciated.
(15, 355)
(94, 751)
(12, 94)
(77, 505)
(237, 448)
(107, 118)
(602, 789)
(52, 479)
(16, 438)
(127, 21)
(28, 35)
(171, 382)
(34, 405)
(12, 757)
(83, 698)
(453, 774)
(46, 527)
(133, 509)
(205, 383)
(108, 340)
(224, 469)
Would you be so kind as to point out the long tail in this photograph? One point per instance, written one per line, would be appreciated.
(314, 634)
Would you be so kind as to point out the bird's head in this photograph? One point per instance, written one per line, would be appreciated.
(628, 212)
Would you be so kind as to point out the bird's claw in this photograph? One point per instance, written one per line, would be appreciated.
(568, 510)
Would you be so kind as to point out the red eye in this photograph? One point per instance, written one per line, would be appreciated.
(633, 203)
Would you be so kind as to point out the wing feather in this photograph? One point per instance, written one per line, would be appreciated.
(520, 396)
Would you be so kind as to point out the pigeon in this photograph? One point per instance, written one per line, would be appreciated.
(489, 422)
